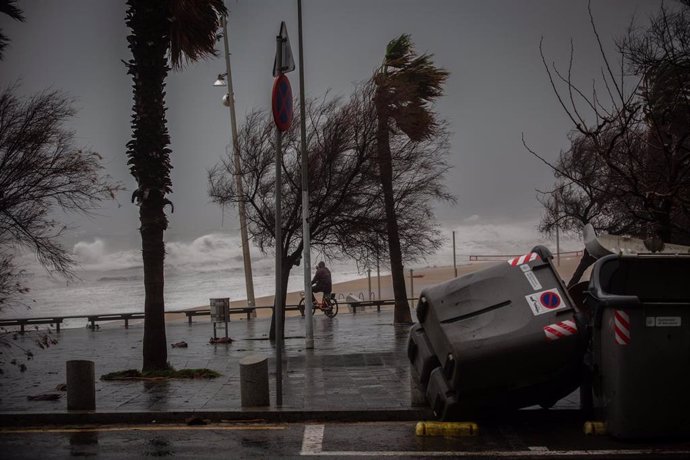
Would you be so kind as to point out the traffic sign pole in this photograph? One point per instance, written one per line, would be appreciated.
(282, 116)
(278, 309)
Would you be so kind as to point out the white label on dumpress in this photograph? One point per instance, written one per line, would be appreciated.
(531, 277)
(668, 321)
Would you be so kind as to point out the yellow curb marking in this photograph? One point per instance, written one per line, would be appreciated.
(446, 429)
(594, 428)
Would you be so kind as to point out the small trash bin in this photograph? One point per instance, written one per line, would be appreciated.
(641, 344)
(504, 337)
(220, 313)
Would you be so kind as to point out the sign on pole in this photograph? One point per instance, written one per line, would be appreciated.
(287, 62)
(282, 103)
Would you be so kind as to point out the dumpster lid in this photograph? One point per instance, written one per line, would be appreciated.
(651, 278)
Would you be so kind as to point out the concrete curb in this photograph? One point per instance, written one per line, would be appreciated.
(42, 419)
(25, 419)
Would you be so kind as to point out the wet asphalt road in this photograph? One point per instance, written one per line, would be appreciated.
(339, 440)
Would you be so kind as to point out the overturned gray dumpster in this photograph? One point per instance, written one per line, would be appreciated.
(640, 364)
(501, 338)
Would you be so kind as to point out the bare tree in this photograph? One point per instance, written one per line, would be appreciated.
(345, 203)
(628, 168)
(42, 170)
(418, 172)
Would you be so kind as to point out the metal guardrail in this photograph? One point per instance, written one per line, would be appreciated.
(58, 320)
(93, 319)
(491, 257)
(232, 310)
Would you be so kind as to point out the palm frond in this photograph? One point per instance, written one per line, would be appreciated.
(10, 8)
(398, 51)
(407, 83)
(194, 26)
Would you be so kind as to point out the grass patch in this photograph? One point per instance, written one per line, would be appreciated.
(170, 373)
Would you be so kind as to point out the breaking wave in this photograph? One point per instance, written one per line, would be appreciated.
(111, 281)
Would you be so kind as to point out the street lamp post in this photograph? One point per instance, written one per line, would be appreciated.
(229, 100)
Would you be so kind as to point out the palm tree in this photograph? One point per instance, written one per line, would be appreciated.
(9, 8)
(161, 32)
(406, 84)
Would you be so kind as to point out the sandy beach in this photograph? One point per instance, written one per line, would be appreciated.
(360, 287)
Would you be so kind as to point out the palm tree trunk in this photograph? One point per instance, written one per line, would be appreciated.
(149, 162)
(401, 313)
(153, 223)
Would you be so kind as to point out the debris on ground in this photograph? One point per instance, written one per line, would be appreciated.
(44, 397)
(215, 340)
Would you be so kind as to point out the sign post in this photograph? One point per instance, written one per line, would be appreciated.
(282, 116)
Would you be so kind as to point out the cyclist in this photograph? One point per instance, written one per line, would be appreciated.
(322, 281)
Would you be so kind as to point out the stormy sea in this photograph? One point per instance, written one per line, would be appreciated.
(111, 281)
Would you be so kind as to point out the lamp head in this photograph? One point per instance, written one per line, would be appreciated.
(220, 81)
(226, 100)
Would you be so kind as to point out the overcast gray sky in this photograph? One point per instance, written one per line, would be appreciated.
(497, 89)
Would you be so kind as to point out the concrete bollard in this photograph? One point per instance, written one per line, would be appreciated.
(254, 380)
(81, 385)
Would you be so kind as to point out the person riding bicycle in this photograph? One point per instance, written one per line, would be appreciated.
(322, 281)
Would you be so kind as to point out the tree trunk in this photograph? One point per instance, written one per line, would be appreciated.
(287, 266)
(401, 313)
(153, 223)
(149, 162)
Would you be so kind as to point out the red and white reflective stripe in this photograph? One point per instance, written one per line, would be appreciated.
(524, 259)
(559, 330)
(621, 327)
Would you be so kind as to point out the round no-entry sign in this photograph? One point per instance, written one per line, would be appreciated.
(282, 103)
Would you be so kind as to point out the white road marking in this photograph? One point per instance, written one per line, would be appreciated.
(312, 442)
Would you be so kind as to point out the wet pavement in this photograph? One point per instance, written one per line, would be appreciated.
(358, 370)
(358, 363)
(537, 438)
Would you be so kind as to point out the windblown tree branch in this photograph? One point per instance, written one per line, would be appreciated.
(41, 170)
(345, 205)
(418, 172)
(627, 170)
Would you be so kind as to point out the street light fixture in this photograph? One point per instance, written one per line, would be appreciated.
(229, 101)
(220, 81)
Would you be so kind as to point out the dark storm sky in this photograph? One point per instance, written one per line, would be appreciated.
(497, 89)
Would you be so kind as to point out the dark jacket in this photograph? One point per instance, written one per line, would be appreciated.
(322, 279)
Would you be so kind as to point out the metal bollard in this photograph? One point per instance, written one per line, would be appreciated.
(254, 380)
(81, 385)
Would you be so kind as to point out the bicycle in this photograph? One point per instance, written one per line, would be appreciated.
(328, 305)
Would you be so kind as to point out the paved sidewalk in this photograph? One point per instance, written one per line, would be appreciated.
(358, 363)
(357, 370)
